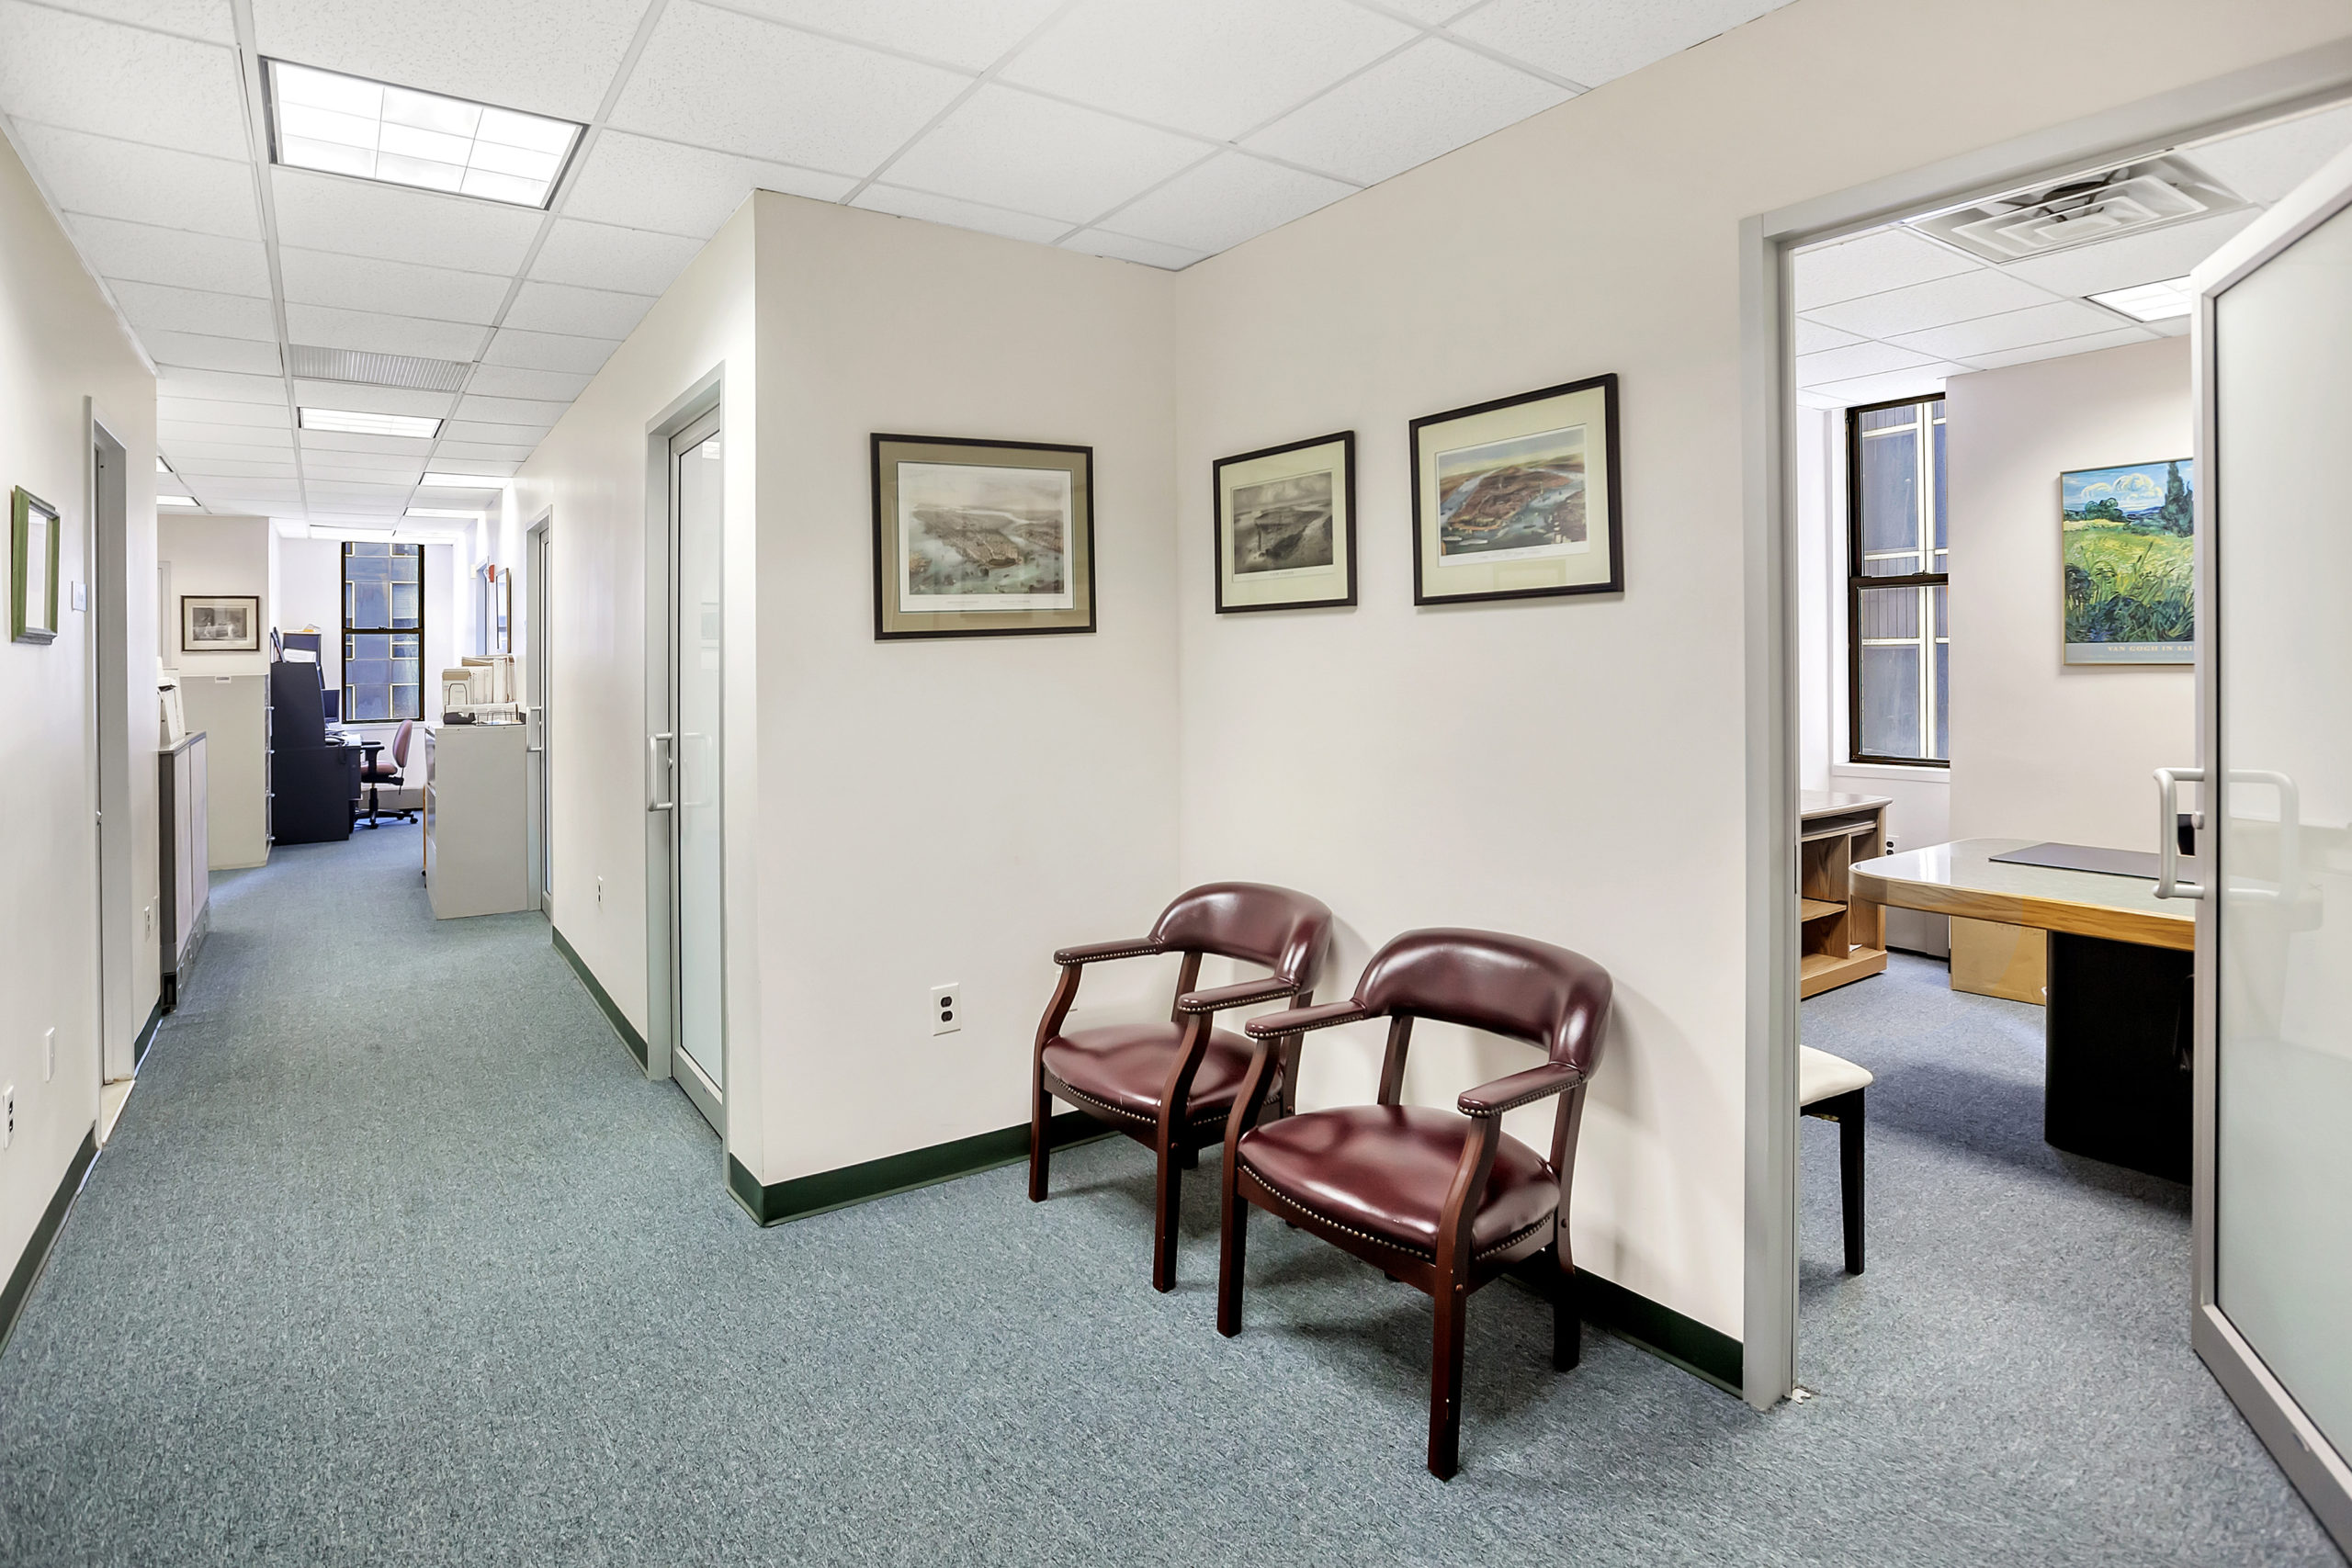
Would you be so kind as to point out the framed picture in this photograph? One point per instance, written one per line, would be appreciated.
(219, 623)
(32, 567)
(2131, 563)
(1287, 526)
(981, 538)
(1517, 498)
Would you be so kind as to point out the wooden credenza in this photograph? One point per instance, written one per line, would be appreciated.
(1841, 938)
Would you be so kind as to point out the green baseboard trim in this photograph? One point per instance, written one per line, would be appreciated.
(52, 1219)
(828, 1189)
(621, 1025)
(1702, 1351)
(146, 1034)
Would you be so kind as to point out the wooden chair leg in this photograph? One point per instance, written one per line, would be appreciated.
(1233, 1246)
(1568, 1323)
(1445, 1379)
(1849, 1163)
(1040, 1154)
(1163, 1237)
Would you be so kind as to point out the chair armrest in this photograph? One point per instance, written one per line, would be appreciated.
(1103, 951)
(1297, 1021)
(1220, 998)
(1518, 1090)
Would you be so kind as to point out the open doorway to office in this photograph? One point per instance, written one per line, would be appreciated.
(537, 635)
(107, 603)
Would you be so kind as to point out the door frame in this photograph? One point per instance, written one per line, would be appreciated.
(107, 595)
(2308, 79)
(538, 667)
(2311, 1460)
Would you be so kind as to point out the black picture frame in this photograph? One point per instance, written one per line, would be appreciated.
(1222, 530)
(1612, 488)
(192, 602)
(892, 624)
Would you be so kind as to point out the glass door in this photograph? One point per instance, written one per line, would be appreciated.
(696, 495)
(536, 632)
(2274, 1168)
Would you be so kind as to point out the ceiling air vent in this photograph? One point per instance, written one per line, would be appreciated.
(311, 364)
(2127, 200)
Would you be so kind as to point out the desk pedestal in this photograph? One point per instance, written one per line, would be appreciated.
(2119, 1042)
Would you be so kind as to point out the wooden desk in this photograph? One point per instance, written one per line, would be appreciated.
(1841, 931)
(2117, 1030)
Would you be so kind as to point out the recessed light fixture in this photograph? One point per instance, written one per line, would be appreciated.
(439, 511)
(337, 531)
(373, 131)
(350, 421)
(175, 501)
(2150, 301)
(463, 481)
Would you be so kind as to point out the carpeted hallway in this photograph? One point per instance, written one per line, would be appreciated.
(396, 1258)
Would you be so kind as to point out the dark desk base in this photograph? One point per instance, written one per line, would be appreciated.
(2119, 1035)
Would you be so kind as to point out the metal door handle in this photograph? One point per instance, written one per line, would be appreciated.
(2168, 883)
(652, 746)
(541, 724)
(2291, 836)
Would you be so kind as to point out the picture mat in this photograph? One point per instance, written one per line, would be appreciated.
(892, 620)
(38, 542)
(1462, 574)
(1007, 508)
(2144, 558)
(1285, 585)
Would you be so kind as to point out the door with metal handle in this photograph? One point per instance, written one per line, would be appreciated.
(2169, 880)
(661, 771)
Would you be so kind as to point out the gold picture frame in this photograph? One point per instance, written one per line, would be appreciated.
(981, 538)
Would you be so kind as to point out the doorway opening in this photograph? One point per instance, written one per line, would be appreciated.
(107, 595)
(537, 774)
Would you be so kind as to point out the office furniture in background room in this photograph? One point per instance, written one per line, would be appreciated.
(233, 712)
(1171, 1086)
(1831, 1088)
(1990, 959)
(315, 778)
(2117, 1030)
(474, 862)
(1440, 1202)
(298, 642)
(184, 894)
(377, 773)
(1841, 939)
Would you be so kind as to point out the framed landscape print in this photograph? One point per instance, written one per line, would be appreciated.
(219, 623)
(1517, 498)
(979, 539)
(32, 567)
(2131, 563)
(1287, 526)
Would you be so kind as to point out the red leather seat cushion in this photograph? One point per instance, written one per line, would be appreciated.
(380, 771)
(1127, 1065)
(1384, 1170)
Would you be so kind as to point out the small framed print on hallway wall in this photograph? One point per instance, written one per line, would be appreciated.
(1518, 498)
(981, 538)
(1287, 526)
(32, 567)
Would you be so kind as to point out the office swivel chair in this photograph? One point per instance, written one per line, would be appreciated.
(379, 773)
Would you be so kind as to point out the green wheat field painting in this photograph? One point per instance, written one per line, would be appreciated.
(2130, 564)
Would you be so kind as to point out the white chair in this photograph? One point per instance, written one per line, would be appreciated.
(1831, 1087)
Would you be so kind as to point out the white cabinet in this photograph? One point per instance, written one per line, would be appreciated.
(185, 897)
(475, 856)
(233, 712)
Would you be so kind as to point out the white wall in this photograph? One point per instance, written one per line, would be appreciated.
(210, 556)
(2044, 749)
(309, 593)
(60, 343)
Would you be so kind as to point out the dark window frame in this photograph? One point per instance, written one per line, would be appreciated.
(343, 564)
(1856, 583)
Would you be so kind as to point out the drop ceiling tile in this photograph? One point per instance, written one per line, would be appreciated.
(373, 334)
(205, 20)
(961, 214)
(510, 410)
(392, 287)
(197, 453)
(1225, 201)
(1922, 382)
(2176, 327)
(173, 382)
(504, 381)
(1812, 337)
(602, 257)
(748, 87)
(491, 466)
(2090, 343)
(2014, 329)
(2265, 165)
(493, 434)
(1433, 98)
(348, 441)
(193, 351)
(155, 307)
(206, 410)
(2131, 259)
(1871, 264)
(87, 74)
(360, 398)
(227, 469)
(174, 434)
(1031, 155)
(483, 452)
(563, 307)
(346, 491)
(141, 253)
(1217, 68)
(1856, 359)
(1124, 247)
(334, 470)
(107, 177)
(550, 351)
(1593, 43)
(643, 183)
(527, 54)
(955, 32)
(1435, 13)
(1961, 297)
(321, 212)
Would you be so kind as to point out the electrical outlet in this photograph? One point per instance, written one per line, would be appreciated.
(147, 918)
(48, 1055)
(600, 892)
(947, 1007)
(8, 1121)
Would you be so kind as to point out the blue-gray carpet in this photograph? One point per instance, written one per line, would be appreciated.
(396, 1258)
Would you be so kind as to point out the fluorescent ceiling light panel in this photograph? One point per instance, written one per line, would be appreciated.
(463, 481)
(162, 467)
(351, 421)
(2150, 301)
(373, 131)
(175, 501)
(438, 512)
(332, 531)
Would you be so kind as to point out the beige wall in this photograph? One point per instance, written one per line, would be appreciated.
(216, 556)
(60, 343)
(1573, 769)
(2041, 748)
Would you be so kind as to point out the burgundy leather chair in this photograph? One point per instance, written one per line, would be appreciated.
(1171, 1086)
(1440, 1202)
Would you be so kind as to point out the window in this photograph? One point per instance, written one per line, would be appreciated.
(383, 631)
(1898, 644)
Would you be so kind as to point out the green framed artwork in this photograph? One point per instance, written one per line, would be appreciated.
(32, 567)
(2131, 563)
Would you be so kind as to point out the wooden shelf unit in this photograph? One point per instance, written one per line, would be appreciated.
(1841, 938)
